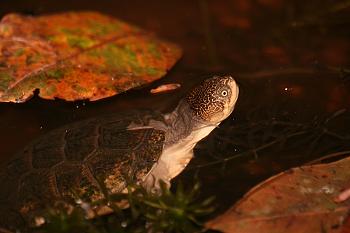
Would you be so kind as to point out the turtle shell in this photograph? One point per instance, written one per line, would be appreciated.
(73, 161)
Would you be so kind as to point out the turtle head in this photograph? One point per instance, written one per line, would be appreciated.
(214, 99)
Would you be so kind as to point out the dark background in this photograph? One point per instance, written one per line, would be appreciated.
(288, 56)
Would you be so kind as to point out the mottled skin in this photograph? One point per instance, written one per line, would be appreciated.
(140, 146)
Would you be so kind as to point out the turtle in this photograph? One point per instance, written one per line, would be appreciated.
(141, 146)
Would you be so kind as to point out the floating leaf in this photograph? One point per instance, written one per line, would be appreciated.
(298, 200)
(77, 55)
(165, 88)
(343, 196)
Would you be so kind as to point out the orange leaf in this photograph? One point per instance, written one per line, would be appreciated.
(75, 56)
(298, 200)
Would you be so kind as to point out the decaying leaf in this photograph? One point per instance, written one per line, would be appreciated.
(165, 88)
(346, 226)
(298, 200)
(77, 55)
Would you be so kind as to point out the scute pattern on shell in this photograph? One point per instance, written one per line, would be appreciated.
(206, 100)
(77, 157)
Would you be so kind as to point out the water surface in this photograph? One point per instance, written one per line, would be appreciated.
(290, 58)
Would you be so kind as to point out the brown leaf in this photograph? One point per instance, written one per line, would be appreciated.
(346, 226)
(75, 56)
(298, 200)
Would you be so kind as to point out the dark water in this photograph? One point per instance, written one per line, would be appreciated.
(290, 58)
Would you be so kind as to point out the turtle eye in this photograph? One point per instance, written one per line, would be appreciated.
(224, 93)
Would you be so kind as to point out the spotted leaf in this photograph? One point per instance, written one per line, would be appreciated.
(77, 55)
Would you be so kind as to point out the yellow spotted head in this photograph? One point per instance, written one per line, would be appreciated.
(214, 99)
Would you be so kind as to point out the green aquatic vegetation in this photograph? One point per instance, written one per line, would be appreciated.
(166, 211)
(265, 134)
(60, 221)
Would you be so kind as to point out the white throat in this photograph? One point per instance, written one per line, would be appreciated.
(175, 157)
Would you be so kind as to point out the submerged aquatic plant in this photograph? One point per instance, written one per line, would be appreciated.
(274, 134)
(178, 211)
